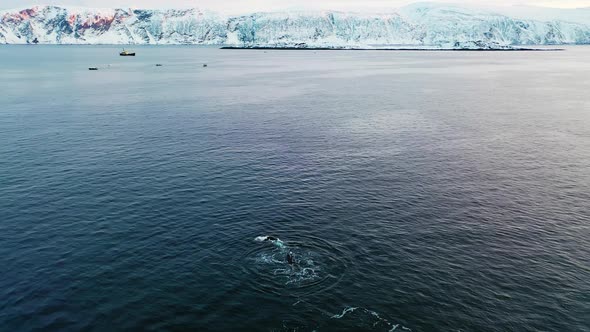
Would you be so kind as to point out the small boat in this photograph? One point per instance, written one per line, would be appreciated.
(158, 65)
(93, 68)
(204, 65)
(127, 53)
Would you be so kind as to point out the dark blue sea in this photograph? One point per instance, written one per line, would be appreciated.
(422, 191)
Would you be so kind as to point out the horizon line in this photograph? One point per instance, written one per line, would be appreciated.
(302, 8)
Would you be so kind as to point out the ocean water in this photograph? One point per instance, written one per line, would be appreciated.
(422, 191)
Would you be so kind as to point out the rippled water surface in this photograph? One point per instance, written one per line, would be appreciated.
(417, 191)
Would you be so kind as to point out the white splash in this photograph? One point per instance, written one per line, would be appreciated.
(261, 238)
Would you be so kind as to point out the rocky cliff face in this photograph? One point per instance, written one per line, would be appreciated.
(414, 26)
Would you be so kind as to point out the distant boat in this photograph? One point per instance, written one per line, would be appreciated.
(93, 68)
(158, 65)
(35, 41)
(127, 53)
(204, 65)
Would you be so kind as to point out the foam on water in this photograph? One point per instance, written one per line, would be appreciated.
(268, 259)
(366, 318)
(344, 312)
(351, 318)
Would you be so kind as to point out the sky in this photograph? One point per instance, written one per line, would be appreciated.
(245, 6)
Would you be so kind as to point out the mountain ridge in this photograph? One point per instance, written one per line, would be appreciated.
(417, 25)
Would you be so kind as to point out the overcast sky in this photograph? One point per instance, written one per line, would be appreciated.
(241, 6)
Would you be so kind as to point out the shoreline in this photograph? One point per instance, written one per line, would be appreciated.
(391, 49)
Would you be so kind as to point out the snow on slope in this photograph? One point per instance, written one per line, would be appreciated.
(419, 25)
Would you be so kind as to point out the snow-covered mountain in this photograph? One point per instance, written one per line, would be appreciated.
(421, 25)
